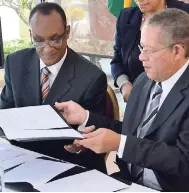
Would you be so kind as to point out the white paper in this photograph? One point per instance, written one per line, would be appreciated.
(41, 134)
(36, 172)
(137, 188)
(91, 181)
(17, 161)
(9, 153)
(33, 117)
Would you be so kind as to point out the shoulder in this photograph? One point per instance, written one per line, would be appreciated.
(127, 14)
(178, 4)
(141, 80)
(20, 54)
(83, 64)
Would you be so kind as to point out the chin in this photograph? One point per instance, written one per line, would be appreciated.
(50, 62)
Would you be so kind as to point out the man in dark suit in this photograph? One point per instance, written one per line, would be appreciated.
(52, 72)
(152, 143)
(125, 65)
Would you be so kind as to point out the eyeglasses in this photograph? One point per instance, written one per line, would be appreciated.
(149, 52)
(53, 43)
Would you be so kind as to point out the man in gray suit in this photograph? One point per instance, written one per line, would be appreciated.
(153, 141)
(52, 72)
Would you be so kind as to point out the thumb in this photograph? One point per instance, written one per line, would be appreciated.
(92, 134)
(61, 106)
(88, 129)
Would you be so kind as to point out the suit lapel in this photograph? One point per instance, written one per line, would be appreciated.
(62, 84)
(171, 102)
(31, 80)
(144, 97)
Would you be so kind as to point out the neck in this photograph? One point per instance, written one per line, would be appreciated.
(162, 5)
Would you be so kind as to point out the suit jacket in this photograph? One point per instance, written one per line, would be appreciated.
(165, 147)
(78, 80)
(127, 37)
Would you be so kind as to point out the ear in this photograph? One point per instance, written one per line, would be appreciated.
(179, 51)
(67, 31)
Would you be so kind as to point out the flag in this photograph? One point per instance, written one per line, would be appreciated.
(115, 6)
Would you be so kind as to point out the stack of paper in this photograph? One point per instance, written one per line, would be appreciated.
(11, 156)
(35, 123)
(36, 172)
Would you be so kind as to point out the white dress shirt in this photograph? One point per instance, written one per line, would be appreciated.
(149, 178)
(54, 69)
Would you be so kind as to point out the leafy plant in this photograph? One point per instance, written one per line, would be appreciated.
(15, 45)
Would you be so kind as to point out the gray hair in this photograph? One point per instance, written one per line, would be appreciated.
(175, 24)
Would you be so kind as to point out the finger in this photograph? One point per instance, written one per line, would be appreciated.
(88, 129)
(76, 143)
(87, 143)
(61, 106)
(72, 148)
(92, 134)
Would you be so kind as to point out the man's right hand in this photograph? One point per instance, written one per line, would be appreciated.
(126, 90)
(72, 112)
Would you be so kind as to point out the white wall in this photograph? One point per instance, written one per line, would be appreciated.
(9, 23)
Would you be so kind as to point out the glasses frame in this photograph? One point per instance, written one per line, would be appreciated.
(51, 43)
(149, 52)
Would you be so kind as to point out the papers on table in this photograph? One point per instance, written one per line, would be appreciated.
(37, 171)
(93, 180)
(7, 164)
(11, 156)
(35, 123)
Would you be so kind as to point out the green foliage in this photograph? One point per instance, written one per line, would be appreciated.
(14, 45)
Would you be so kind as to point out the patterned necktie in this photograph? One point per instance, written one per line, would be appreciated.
(45, 84)
(137, 171)
(152, 111)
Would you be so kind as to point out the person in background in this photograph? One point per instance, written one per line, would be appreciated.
(50, 72)
(152, 143)
(125, 65)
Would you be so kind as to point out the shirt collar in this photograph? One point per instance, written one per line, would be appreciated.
(55, 67)
(169, 83)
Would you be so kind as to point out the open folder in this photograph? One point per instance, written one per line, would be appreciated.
(35, 123)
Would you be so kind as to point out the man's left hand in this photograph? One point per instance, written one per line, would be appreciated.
(75, 147)
(101, 141)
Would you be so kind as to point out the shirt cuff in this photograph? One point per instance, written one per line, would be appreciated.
(81, 127)
(121, 80)
(122, 146)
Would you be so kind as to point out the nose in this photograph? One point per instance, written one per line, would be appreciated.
(142, 57)
(47, 47)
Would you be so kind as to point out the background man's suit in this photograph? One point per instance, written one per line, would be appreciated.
(165, 147)
(78, 80)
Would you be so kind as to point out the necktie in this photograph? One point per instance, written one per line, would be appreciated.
(45, 84)
(137, 171)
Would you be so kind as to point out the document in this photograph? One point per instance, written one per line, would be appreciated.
(35, 123)
(8, 152)
(37, 171)
(91, 181)
(7, 164)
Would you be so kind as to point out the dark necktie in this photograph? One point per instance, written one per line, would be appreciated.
(45, 84)
(137, 171)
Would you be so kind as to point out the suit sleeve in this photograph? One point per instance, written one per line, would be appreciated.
(95, 96)
(104, 122)
(158, 155)
(117, 67)
(7, 98)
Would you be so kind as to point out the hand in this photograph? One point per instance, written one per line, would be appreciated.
(72, 112)
(74, 148)
(101, 141)
(126, 90)
(77, 148)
